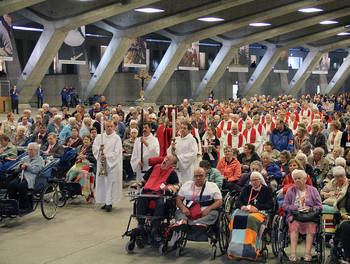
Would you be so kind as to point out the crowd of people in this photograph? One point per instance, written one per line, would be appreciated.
(259, 146)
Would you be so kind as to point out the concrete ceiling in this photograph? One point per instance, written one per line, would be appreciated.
(53, 10)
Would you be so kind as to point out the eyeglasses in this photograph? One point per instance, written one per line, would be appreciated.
(254, 180)
(198, 176)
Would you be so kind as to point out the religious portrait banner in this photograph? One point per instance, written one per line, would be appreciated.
(281, 65)
(190, 61)
(72, 50)
(6, 49)
(136, 55)
(240, 60)
(323, 65)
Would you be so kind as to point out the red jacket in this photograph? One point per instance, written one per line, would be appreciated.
(231, 171)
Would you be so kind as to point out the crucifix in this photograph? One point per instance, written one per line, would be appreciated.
(143, 77)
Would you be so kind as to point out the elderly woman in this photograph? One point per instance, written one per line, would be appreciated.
(52, 148)
(256, 165)
(7, 151)
(300, 138)
(74, 140)
(30, 166)
(335, 136)
(24, 122)
(342, 205)
(283, 162)
(247, 157)
(19, 139)
(211, 146)
(229, 167)
(288, 181)
(338, 184)
(133, 124)
(331, 157)
(301, 157)
(269, 148)
(270, 169)
(256, 194)
(301, 197)
(67, 130)
(80, 171)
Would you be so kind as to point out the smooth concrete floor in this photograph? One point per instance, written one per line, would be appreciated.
(82, 233)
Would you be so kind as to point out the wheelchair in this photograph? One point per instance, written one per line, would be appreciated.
(230, 195)
(140, 239)
(216, 233)
(45, 193)
(283, 240)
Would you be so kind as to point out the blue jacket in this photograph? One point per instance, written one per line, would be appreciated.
(40, 94)
(66, 132)
(14, 94)
(73, 92)
(282, 140)
(273, 170)
(64, 95)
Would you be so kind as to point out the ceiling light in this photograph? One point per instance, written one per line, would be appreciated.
(149, 10)
(343, 33)
(210, 19)
(328, 22)
(259, 24)
(310, 10)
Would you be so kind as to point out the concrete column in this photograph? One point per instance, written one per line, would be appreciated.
(170, 61)
(215, 72)
(262, 71)
(304, 72)
(45, 50)
(110, 61)
(13, 67)
(323, 83)
(284, 81)
(84, 77)
(339, 78)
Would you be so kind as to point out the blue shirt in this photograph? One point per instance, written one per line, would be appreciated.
(64, 95)
(14, 94)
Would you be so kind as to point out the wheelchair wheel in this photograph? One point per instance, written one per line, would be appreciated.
(274, 235)
(213, 253)
(130, 246)
(49, 201)
(163, 249)
(228, 203)
(139, 242)
(280, 257)
(178, 252)
(321, 254)
(264, 255)
(224, 232)
(62, 199)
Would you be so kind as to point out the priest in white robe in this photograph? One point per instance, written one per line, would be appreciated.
(252, 135)
(109, 189)
(150, 150)
(235, 139)
(185, 148)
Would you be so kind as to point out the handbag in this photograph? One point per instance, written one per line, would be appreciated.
(304, 217)
(195, 207)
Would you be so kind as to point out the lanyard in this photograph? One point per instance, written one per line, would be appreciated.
(348, 136)
(316, 164)
(251, 192)
(195, 194)
(209, 143)
(115, 128)
(82, 150)
(16, 141)
(72, 141)
(333, 137)
(49, 148)
(300, 141)
(302, 198)
(39, 140)
(57, 127)
(1, 149)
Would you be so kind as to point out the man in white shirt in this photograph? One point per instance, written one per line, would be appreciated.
(150, 150)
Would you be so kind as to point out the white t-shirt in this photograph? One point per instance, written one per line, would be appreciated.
(211, 192)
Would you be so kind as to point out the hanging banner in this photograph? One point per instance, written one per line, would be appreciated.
(282, 64)
(323, 65)
(190, 61)
(72, 50)
(240, 60)
(136, 55)
(6, 49)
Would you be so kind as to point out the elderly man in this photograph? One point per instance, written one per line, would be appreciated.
(319, 163)
(235, 139)
(198, 123)
(207, 194)
(96, 109)
(55, 126)
(282, 137)
(158, 178)
(109, 188)
(150, 150)
(317, 138)
(119, 126)
(128, 147)
(252, 135)
(30, 166)
(67, 130)
(97, 123)
(186, 149)
(270, 169)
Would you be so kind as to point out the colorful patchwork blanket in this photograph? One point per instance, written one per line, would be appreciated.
(246, 231)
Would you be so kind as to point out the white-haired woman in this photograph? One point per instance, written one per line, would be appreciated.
(256, 196)
(67, 130)
(337, 152)
(306, 198)
(338, 184)
(19, 139)
(302, 158)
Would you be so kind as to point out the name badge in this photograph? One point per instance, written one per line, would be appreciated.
(347, 144)
(331, 146)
